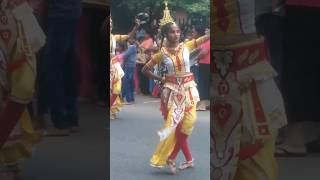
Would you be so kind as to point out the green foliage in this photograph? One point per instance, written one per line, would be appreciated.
(199, 7)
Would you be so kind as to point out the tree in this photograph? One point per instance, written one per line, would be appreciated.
(124, 10)
(199, 7)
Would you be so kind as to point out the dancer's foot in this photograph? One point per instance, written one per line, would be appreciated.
(172, 166)
(113, 117)
(187, 164)
(201, 106)
(286, 150)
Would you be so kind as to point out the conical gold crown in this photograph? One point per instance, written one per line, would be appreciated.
(166, 16)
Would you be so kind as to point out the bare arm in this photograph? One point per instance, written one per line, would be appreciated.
(135, 28)
(195, 43)
(147, 72)
(206, 37)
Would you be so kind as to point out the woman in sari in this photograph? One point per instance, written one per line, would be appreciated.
(179, 95)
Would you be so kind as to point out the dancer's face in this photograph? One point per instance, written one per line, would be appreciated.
(174, 33)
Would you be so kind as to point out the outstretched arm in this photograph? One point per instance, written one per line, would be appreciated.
(135, 28)
(194, 43)
(131, 34)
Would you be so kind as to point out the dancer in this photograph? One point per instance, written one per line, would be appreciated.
(116, 72)
(20, 38)
(179, 95)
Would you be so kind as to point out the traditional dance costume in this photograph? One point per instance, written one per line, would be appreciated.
(20, 38)
(247, 108)
(179, 98)
(116, 74)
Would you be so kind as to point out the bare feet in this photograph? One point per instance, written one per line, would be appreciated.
(187, 164)
(113, 117)
(293, 144)
(172, 166)
(201, 106)
(287, 150)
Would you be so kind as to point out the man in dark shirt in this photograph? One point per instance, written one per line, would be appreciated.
(57, 79)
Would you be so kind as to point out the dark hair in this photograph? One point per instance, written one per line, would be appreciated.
(200, 29)
(166, 28)
(164, 31)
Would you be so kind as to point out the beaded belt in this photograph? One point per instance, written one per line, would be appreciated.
(179, 79)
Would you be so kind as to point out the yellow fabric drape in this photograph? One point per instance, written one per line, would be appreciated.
(20, 145)
(166, 146)
(262, 166)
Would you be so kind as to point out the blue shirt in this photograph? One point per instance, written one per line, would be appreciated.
(129, 56)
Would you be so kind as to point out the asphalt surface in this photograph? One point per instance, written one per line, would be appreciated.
(85, 156)
(82, 156)
(134, 139)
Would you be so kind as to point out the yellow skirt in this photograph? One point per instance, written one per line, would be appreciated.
(20, 143)
(116, 73)
(165, 147)
(115, 108)
(263, 165)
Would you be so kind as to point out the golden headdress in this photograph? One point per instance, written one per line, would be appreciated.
(166, 16)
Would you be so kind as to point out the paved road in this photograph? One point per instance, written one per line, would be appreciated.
(307, 168)
(84, 156)
(133, 140)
